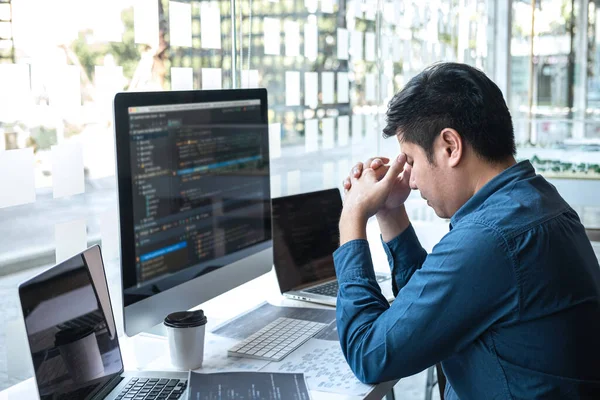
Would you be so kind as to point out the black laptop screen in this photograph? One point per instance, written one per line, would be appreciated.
(73, 345)
(305, 235)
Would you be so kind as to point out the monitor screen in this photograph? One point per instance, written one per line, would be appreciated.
(70, 328)
(199, 191)
(305, 235)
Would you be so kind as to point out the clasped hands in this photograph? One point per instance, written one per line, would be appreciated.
(376, 187)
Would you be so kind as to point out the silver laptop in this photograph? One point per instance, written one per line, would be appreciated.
(305, 235)
(73, 338)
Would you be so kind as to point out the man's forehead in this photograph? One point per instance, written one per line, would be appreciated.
(406, 147)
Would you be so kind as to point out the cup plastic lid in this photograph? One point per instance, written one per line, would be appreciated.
(185, 319)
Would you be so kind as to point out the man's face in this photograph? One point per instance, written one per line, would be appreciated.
(434, 181)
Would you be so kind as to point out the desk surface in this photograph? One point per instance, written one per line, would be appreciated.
(146, 352)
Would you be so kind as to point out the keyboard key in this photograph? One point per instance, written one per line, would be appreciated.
(277, 339)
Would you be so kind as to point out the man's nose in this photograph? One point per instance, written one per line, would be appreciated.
(413, 184)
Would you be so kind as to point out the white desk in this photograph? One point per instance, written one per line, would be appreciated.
(145, 352)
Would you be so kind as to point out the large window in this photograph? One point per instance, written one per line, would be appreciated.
(554, 92)
(330, 67)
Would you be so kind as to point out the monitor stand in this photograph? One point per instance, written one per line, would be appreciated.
(157, 330)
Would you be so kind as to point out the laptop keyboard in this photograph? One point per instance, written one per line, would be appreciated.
(326, 289)
(331, 288)
(152, 389)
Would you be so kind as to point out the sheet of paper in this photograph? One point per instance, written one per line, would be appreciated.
(293, 182)
(356, 39)
(292, 88)
(65, 88)
(210, 25)
(107, 24)
(328, 133)
(108, 81)
(329, 175)
(109, 234)
(14, 78)
(370, 9)
(249, 79)
(67, 169)
(342, 43)
(389, 12)
(70, 238)
(311, 135)
(357, 128)
(180, 24)
(292, 38)
(406, 51)
(17, 179)
(324, 368)
(357, 7)
(311, 5)
(275, 186)
(343, 88)
(384, 86)
(247, 385)
(327, 82)
(272, 36)
(145, 22)
(327, 6)
(182, 78)
(370, 93)
(212, 78)
(311, 89)
(275, 140)
(343, 130)
(370, 46)
(311, 41)
(217, 361)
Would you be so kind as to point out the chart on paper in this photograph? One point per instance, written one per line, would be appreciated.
(324, 368)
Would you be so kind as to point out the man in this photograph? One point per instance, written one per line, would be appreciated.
(509, 300)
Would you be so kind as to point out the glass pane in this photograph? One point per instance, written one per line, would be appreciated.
(554, 96)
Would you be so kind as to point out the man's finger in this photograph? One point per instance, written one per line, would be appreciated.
(378, 162)
(357, 170)
(346, 183)
(396, 168)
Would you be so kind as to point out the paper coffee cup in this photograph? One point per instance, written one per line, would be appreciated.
(185, 332)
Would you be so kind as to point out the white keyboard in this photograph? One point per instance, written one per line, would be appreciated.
(276, 340)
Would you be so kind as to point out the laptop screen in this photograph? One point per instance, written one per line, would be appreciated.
(305, 235)
(70, 328)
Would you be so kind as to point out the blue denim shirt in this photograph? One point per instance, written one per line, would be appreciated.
(508, 300)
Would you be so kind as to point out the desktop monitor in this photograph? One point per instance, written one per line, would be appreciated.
(194, 198)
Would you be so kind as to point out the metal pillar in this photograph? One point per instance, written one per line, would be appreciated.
(500, 13)
(581, 67)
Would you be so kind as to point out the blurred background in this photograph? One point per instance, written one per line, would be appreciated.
(330, 68)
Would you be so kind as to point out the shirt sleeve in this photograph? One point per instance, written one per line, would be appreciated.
(465, 285)
(405, 255)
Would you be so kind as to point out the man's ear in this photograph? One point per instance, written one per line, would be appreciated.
(452, 145)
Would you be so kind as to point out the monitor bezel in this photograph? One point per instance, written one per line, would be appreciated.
(165, 300)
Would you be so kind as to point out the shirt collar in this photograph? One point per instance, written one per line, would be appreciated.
(517, 172)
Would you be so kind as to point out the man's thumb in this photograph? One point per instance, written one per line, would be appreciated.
(396, 168)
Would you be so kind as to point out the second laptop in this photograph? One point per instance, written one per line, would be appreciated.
(305, 235)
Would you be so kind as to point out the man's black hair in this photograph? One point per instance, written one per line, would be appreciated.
(457, 96)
